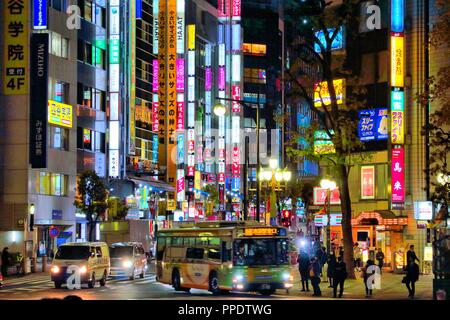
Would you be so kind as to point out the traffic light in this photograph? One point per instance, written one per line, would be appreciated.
(286, 218)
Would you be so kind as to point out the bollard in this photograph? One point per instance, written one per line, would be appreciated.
(44, 263)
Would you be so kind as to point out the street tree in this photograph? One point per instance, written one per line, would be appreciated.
(91, 198)
(437, 94)
(212, 199)
(331, 138)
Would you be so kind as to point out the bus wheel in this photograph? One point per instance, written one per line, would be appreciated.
(58, 284)
(176, 283)
(267, 292)
(214, 283)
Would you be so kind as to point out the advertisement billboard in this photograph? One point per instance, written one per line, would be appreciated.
(320, 195)
(59, 114)
(397, 61)
(338, 42)
(367, 182)
(322, 95)
(373, 124)
(398, 175)
(40, 14)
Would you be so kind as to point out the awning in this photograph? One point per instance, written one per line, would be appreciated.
(154, 185)
(381, 217)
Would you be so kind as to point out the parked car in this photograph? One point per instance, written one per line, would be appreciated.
(90, 258)
(128, 259)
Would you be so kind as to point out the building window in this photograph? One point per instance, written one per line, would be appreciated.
(255, 75)
(59, 46)
(87, 139)
(59, 138)
(99, 57)
(91, 97)
(87, 12)
(58, 91)
(52, 184)
(254, 49)
(59, 5)
(90, 140)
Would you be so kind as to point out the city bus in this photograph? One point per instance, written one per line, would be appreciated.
(224, 256)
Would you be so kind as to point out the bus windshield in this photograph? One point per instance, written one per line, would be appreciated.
(260, 252)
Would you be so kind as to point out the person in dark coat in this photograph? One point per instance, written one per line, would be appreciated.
(411, 255)
(331, 268)
(367, 272)
(6, 260)
(315, 276)
(380, 258)
(339, 276)
(412, 275)
(303, 268)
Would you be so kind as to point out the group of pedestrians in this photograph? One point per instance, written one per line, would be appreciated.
(311, 269)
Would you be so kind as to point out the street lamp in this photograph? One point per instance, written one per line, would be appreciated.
(274, 176)
(328, 185)
(220, 110)
(31, 211)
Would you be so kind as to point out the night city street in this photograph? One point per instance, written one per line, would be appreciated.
(217, 158)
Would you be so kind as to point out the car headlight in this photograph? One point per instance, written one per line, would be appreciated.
(286, 276)
(54, 269)
(127, 264)
(83, 269)
(238, 278)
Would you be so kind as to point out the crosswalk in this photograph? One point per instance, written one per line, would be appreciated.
(42, 282)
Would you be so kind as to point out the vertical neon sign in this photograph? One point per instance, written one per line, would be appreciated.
(397, 105)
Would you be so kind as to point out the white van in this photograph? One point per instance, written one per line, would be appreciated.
(128, 259)
(90, 258)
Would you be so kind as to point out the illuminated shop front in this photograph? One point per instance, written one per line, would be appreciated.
(381, 229)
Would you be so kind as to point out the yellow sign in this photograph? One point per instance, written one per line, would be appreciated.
(397, 62)
(132, 48)
(15, 53)
(191, 36)
(250, 232)
(322, 95)
(59, 114)
(397, 127)
(197, 183)
(171, 205)
(428, 254)
(162, 63)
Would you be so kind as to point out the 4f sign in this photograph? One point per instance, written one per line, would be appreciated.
(40, 14)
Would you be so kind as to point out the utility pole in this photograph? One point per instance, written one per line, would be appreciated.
(258, 165)
(246, 179)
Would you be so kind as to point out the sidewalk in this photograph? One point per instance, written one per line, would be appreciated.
(392, 288)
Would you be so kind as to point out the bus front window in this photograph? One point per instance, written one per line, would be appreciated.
(253, 252)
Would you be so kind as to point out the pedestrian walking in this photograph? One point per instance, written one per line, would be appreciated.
(411, 255)
(412, 275)
(303, 268)
(314, 274)
(380, 258)
(6, 261)
(339, 276)
(357, 257)
(19, 263)
(331, 265)
(323, 265)
(366, 273)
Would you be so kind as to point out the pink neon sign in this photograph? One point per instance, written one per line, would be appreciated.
(236, 95)
(180, 116)
(155, 75)
(208, 79)
(155, 106)
(236, 9)
(180, 75)
(398, 175)
(221, 78)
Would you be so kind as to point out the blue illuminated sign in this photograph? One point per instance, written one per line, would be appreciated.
(138, 9)
(338, 42)
(397, 15)
(236, 184)
(373, 124)
(155, 149)
(180, 148)
(397, 100)
(40, 14)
